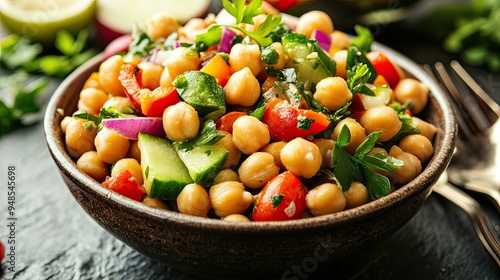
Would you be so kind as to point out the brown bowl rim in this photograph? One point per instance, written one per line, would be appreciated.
(422, 182)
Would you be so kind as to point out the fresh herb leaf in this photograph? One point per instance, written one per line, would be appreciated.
(347, 167)
(357, 79)
(277, 199)
(207, 136)
(356, 56)
(20, 53)
(269, 55)
(243, 14)
(304, 123)
(377, 185)
(364, 38)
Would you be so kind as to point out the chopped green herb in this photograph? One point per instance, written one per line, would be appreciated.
(277, 199)
(207, 136)
(304, 123)
(348, 168)
(269, 55)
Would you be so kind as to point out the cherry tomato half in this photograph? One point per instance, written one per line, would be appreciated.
(286, 122)
(225, 123)
(283, 198)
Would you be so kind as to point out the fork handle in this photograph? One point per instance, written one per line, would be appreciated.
(482, 225)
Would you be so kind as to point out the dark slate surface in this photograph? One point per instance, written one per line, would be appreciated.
(55, 239)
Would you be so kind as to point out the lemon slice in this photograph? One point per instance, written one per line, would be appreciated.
(40, 20)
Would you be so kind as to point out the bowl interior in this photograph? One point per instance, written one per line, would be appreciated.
(439, 112)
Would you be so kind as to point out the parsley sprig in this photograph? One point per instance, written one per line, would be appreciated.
(243, 13)
(348, 168)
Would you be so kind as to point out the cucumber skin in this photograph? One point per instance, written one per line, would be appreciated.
(166, 177)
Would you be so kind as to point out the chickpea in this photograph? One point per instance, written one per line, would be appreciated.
(161, 25)
(340, 58)
(242, 88)
(236, 218)
(357, 131)
(426, 129)
(181, 60)
(194, 200)
(181, 122)
(151, 74)
(333, 93)
(92, 81)
(64, 123)
(325, 199)
(192, 27)
(134, 151)
(130, 164)
(274, 149)
(242, 56)
(91, 165)
(165, 78)
(111, 146)
(250, 134)
(226, 175)
(325, 147)
(339, 41)
(229, 198)
(108, 75)
(234, 153)
(417, 145)
(301, 157)
(283, 58)
(258, 169)
(121, 103)
(155, 202)
(312, 20)
(414, 92)
(412, 166)
(80, 135)
(91, 100)
(356, 195)
(381, 118)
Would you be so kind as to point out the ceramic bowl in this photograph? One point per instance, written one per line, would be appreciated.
(218, 249)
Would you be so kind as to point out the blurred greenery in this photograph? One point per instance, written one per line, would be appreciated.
(469, 29)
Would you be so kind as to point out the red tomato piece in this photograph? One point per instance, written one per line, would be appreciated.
(125, 184)
(129, 74)
(385, 67)
(286, 122)
(225, 123)
(283, 198)
(154, 103)
(218, 68)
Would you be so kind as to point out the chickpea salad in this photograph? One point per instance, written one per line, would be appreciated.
(242, 116)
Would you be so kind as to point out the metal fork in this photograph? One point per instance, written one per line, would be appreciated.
(468, 129)
(476, 163)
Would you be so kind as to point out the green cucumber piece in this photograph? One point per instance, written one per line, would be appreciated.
(203, 162)
(165, 175)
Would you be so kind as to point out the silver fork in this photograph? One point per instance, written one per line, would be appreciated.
(476, 163)
(468, 129)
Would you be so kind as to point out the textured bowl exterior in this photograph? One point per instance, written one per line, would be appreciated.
(218, 249)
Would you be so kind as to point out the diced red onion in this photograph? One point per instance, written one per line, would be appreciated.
(225, 40)
(131, 127)
(324, 40)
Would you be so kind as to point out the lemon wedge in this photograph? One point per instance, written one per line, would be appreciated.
(41, 20)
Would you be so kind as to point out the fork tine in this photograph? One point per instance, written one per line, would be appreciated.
(475, 117)
(456, 103)
(477, 90)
